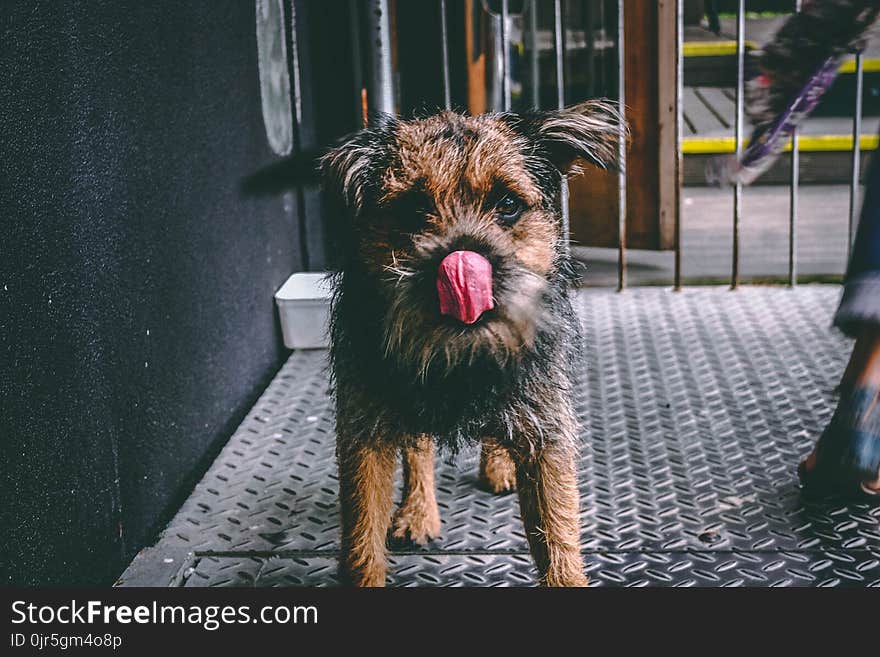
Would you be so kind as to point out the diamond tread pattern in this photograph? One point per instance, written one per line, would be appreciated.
(696, 405)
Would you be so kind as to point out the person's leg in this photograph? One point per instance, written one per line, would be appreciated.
(860, 304)
(850, 446)
(712, 15)
(863, 369)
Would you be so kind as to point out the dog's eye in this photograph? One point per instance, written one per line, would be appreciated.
(411, 210)
(509, 209)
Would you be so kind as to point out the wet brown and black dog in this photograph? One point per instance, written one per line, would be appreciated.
(452, 322)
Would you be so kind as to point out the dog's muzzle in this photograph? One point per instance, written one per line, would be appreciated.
(464, 286)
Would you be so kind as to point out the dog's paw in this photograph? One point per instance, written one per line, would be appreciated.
(573, 580)
(416, 521)
(498, 472)
(499, 483)
(370, 576)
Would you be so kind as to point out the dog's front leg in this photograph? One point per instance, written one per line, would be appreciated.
(547, 483)
(366, 483)
(418, 518)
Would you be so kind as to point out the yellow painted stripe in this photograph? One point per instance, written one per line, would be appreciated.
(725, 48)
(870, 66)
(712, 48)
(808, 144)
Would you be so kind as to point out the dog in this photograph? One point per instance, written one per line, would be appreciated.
(452, 322)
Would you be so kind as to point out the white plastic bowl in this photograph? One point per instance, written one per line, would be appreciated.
(304, 308)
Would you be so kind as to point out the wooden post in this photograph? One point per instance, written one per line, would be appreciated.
(650, 88)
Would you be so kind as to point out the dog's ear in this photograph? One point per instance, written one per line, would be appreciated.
(350, 170)
(590, 131)
(345, 169)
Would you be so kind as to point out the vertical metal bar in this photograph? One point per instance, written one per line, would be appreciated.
(298, 140)
(505, 50)
(559, 54)
(381, 92)
(444, 36)
(738, 135)
(494, 56)
(856, 155)
(794, 182)
(534, 54)
(679, 123)
(297, 81)
(621, 149)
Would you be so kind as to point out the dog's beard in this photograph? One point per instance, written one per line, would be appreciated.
(425, 343)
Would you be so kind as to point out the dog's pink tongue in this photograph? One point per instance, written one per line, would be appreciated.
(464, 285)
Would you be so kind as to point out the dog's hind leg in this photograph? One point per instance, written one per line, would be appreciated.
(366, 483)
(497, 469)
(418, 518)
(548, 497)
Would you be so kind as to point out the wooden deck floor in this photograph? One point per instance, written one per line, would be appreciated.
(709, 113)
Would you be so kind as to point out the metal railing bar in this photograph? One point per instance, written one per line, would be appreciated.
(856, 155)
(621, 150)
(505, 49)
(444, 37)
(679, 129)
(381, 92)
(793, 189)
(298, 146)
(533, 54)
(559, 54)
(297, 80)
(738, 137)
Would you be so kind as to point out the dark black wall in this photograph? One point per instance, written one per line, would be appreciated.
(136, 281)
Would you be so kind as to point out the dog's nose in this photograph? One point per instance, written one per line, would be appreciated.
(464, 285)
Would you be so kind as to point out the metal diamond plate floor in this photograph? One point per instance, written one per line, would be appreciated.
(697, 406)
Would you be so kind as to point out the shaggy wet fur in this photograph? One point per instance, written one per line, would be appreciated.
(404, 375)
